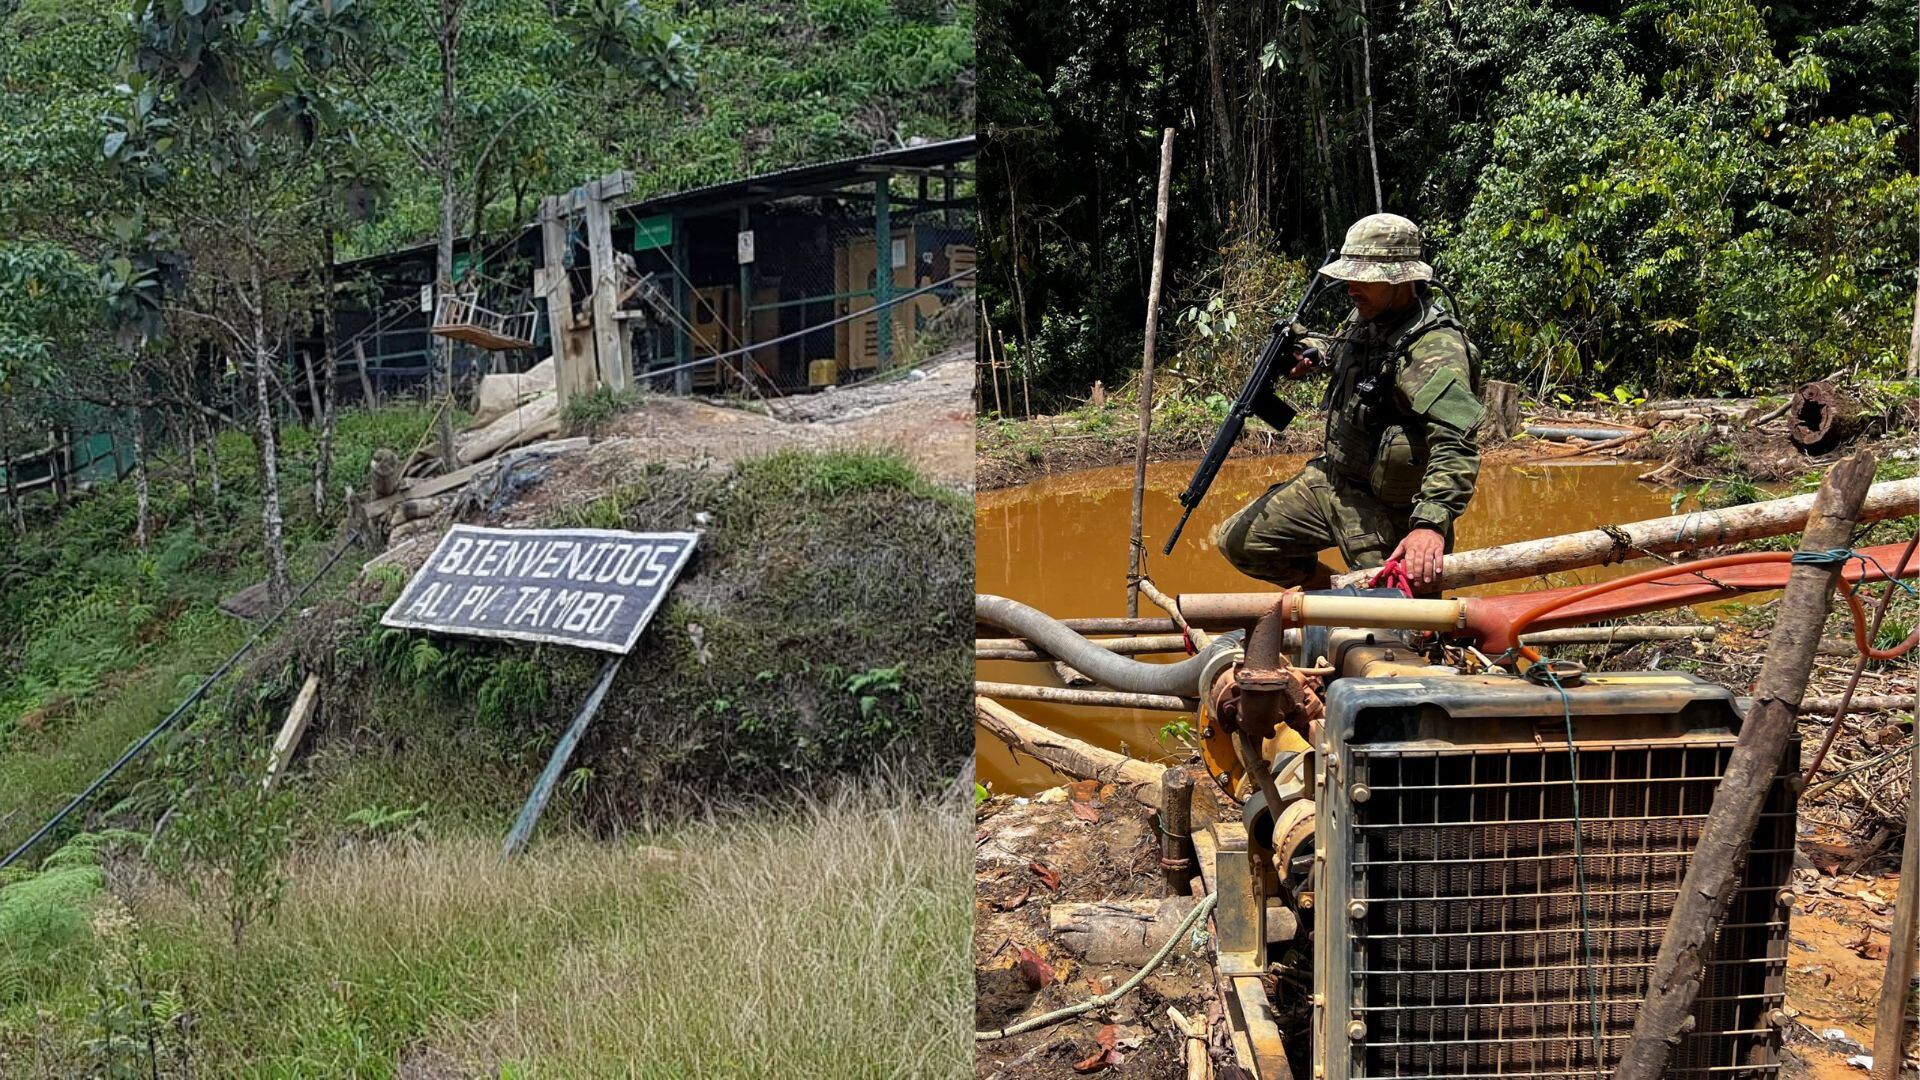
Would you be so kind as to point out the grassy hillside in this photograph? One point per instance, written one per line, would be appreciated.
(786, 727)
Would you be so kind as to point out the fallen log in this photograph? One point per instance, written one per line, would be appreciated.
(1820, 417)
(1752, 770)
(1555, 433)
(1681, 532)
(1828, 704)
(1118, 931)
(1138, 780)
(1099, 699)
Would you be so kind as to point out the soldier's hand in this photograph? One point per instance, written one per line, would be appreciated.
(1422, 550)
(1306, 360)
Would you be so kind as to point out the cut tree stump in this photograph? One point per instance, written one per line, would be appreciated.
(1820, 418)
(1502, 400)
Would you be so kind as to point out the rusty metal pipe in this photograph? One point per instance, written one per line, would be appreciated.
(1049, 636)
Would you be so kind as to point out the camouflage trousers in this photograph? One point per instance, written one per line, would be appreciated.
(1278, 536)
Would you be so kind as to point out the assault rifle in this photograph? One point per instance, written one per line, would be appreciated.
(1256, 399)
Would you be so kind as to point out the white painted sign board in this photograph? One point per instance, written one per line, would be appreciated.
(589, 588)
(743, 246)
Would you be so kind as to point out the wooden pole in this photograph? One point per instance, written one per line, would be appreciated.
(1681, 532)
(572, 376)
(1102, 699)
(1176, 828)
(1068, 756)
(1890, 1028)
(536, 803)
(992, 375)
(1135, 551)
(1752, 770)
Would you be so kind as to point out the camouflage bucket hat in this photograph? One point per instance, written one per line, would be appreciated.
(1381, 247)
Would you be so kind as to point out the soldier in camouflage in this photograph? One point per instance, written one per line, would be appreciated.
(1402, 404)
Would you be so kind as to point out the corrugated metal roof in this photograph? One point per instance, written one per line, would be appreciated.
(793, 179)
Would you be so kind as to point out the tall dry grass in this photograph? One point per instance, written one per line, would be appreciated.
(829, 940)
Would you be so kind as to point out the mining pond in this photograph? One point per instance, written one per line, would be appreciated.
(1059, 543)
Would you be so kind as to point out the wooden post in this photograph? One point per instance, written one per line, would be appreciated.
(1890, 1028)
(1135, 550)
(536, 803)
(572, 376)
(883, 271)
(360, 362)
(1176, 830)
(1752, 770)
(611, 359)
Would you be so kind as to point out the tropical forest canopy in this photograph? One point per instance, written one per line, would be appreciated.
(1667, 196)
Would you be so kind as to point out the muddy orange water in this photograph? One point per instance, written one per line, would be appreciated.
(1060, 544)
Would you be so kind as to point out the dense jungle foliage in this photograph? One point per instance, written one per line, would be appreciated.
(1664, 196)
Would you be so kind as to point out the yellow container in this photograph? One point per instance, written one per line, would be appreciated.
(823, 372)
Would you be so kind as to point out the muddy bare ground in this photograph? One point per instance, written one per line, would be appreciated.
(1022, 842)
(1835, 960)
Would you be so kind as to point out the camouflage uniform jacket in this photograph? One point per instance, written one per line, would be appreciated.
(1402, 408)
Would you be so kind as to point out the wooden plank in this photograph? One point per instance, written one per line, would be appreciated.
(572, 376)
(291, 732)
(610, 362)
(420, 489)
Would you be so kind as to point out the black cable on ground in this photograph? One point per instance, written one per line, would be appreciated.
(180, 710)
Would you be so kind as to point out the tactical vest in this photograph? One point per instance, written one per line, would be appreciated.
(1372, 441)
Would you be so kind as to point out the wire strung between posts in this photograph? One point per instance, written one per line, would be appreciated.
(849, 317)
(1833, 556)
(1545, 668)
(179, 710)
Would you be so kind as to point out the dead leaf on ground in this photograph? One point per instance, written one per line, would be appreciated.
(1036, 972)
(1106, 1057)
(1083, 791)
(1046, 875)
(1013, 902)
(1085, 812)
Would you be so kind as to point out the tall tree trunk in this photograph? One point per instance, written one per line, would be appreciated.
(1317, 121)
(449, 42)
(1913, 340)
(213, 462)
(330, 365)
(1019, 291)
(1226, 180)
(273, 525)
(142, 495)
(1366, 79)
(7, 466)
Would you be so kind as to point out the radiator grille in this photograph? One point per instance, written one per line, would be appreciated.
(1470, 960)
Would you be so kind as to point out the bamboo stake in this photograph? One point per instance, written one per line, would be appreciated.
(1135, 551)
(1752, 770)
